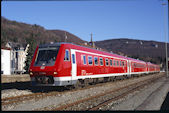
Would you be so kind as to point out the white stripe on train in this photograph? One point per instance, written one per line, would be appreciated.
(95, 76)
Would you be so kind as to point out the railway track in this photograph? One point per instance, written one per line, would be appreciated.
(19, 99)
(98, 101)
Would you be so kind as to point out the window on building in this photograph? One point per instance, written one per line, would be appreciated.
(90, 60)
(101, 61)
(111, 63)
(84, 59)
(107, 62)
(96, 60)
(66, 58)
(16, 54)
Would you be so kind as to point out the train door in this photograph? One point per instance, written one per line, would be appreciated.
(129, 67)
(74, 65)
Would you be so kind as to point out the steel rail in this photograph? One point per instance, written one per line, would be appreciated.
(63, 107)
(18, 99)
(121, 95)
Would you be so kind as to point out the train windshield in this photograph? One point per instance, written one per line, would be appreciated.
(46, 56)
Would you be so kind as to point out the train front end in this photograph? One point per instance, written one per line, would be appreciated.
(43, 68)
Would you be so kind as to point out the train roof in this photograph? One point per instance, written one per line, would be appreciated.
(79, 47)
(149, 63)
(52, 44)
(136, 60)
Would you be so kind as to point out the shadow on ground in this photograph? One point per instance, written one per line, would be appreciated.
(165, 105)
(27, 86)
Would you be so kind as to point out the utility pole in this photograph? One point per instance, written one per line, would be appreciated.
(91, 42)
(164, 4)
(91, 37)
(65, 36)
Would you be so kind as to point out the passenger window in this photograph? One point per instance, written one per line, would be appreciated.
(101, 61)
(111, 62)
(114, 62)
(123, 63)
(84, 59)
(107, 62)
(120, 63)
(117, 63)
(66, 58)
(90, 60)
(95, 60)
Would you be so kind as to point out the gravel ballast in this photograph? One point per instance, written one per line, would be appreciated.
(149, 98)
(14, 92)
(69, 97)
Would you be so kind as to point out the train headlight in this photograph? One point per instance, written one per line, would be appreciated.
(31, 73)
(55, 73)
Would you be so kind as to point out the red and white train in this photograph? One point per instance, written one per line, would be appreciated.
(62, 64)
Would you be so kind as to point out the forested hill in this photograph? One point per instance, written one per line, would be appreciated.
(21, 33)
(146, 50)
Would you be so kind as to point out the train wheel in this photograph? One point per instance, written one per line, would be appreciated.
(69, 87)
(78, 84)
(85, 82)
(106, 79)
(95, 81)
(114, 78)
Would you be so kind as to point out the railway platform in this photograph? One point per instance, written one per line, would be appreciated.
(15, 78)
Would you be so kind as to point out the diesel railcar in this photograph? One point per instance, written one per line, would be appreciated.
(62, 64)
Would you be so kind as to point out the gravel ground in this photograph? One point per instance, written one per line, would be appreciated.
(149, 98)
(13, 93)
(69, 97)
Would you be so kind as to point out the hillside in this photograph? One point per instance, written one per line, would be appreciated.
(22, 32)
(146, 50)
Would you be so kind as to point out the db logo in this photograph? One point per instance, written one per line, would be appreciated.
(42, 67)
(83, 72)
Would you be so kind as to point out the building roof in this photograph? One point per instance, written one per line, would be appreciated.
(15, 46)
(6, 48)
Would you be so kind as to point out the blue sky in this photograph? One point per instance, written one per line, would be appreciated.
(106, 19)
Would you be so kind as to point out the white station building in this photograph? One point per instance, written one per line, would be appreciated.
(6, 61)
(13, 59)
